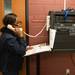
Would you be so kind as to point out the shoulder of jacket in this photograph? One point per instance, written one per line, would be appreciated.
(0, 34)
(8, 36)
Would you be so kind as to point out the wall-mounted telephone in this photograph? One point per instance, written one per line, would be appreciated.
(47, 22)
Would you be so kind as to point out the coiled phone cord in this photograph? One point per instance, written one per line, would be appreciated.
(33, 36)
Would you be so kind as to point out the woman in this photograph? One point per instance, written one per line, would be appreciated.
(12, 45)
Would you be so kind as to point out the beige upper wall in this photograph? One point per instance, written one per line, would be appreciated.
(1, 11)
(18, 7)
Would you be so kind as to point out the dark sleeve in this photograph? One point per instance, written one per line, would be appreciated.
(18, 46)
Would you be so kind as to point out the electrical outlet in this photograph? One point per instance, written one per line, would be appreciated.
(67, 71)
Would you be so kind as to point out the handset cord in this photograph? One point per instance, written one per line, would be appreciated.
(33, 36)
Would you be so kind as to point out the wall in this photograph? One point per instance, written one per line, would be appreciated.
(53, 63)
(57, 63)
(38, 10)
(50, 63)
(1, 11)
(18, 7)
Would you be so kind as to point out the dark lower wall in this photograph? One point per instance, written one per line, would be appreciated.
(57, 63)
(53, 63)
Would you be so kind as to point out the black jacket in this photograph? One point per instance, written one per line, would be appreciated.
(12, 48)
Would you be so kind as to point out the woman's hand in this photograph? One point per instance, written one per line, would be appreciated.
(29, 48)
(19, 32)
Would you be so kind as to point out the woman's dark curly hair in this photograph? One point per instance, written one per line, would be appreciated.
(9, 19)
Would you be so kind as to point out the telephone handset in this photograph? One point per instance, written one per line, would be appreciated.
(12, 28)
(17, 30)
